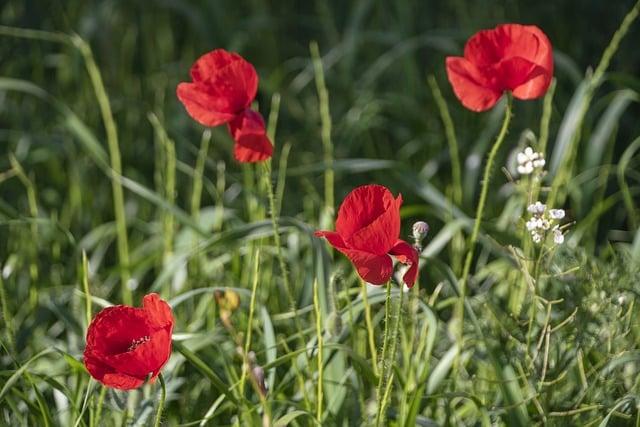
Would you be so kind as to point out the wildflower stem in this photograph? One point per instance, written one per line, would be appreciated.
(85, 285)
(163, 396)
(450, 133)
(385, 349)
(325, 131)
(391, 358)
(198, 173)
(276, 238)
(252, 305)
(316, 307)
(369, 323)
(486, 178)
(101, 396)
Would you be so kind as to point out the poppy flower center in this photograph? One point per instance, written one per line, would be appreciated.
(138, 342)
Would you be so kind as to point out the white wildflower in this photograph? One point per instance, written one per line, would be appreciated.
(558, 237)
(556, 213)
(528, 161)
(537, 237)
(537, 208)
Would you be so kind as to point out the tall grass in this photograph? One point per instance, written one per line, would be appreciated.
(109, 191)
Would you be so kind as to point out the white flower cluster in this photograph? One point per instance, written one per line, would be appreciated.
(529, 160)
(542, 220)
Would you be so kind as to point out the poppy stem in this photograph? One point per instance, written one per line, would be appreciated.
(385, 346)
(385, 383)
(367, 319)
(486, 178)
(163, 396)
(319, 337)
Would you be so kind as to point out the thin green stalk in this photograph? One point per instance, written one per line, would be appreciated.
(385, 350)
(33, 212)
(116, 164)
(103, 393)
(370, 331)
(163, 396)
(252, 305)
(486, 178)
(325, 131)
(457, 242)
(390, 361)
(85, 287)
(320, 355)
(168, 178)
(452, 141)
(276, 237)
(547, 109)
(198, 174)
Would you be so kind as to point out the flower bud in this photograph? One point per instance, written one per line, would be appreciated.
(420, 231)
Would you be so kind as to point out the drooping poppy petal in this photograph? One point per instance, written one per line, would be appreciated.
(202, 106)
(375, 269)
(408, 255)
(126, 344)
(250, 135)
(510, 57)
(333, 238)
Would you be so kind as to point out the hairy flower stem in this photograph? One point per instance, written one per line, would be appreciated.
(486, 178)
(320, 355)
(389, 361)
(389, 346)
(370, 332)
(163, 396)
(273, 213)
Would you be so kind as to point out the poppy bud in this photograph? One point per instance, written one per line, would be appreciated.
(420, 231)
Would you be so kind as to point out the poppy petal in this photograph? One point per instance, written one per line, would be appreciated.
(228, 76)
(408, 255)
(251, 141)
(473, 90)
(202, 106)
(361, 207)
(158, 311)
(535, 85)
(121, 381)
(145, 358)
(114, 328)
(381, 234)
(333, 238)
(375, 269)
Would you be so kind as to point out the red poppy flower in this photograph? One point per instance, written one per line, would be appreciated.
(224, 85)
(368, 231)
(126, 344)
(510, 57)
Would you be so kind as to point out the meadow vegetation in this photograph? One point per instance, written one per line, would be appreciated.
(110, 191)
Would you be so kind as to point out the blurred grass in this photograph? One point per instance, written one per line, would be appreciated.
(568, 354)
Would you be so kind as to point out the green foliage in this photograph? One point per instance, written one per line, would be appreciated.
(355, 93)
